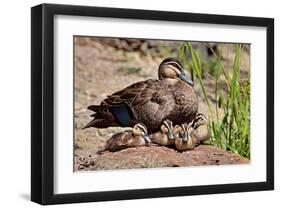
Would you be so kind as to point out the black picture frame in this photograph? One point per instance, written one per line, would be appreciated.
(42, 103)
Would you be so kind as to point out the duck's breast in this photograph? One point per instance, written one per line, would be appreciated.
(186, 103)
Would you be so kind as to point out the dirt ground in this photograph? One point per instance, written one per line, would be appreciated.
(103, 66)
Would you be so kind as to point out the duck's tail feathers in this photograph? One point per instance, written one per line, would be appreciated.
(102, 118)
(96, 108)
(97, 123)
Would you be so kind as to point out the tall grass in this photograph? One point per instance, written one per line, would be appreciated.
(231, 130)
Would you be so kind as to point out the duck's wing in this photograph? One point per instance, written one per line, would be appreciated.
(134, 95)
(118, 109)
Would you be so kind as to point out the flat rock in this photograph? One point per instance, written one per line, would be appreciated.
(157, 156)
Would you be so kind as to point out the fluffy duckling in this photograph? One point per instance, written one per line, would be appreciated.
(199, 128)
(188, 136)
(183, 141)
(131, 138)
(165, 136)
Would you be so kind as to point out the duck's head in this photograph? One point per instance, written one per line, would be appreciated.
(199, 120)
(172, 68)
(140, 130)
(167, 128)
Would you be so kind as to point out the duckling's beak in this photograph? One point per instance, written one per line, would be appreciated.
(185, 137)
(171, 135)
(146, 138)
(184, 77)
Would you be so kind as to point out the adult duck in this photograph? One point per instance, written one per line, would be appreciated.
(150, 102)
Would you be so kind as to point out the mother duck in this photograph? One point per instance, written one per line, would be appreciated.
(150, 102)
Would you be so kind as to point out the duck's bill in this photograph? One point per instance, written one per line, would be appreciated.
(147, 139)
(186, 79)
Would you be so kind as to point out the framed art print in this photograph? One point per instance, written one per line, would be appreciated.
(131, 104)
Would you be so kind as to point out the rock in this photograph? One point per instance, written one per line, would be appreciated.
(156, 156)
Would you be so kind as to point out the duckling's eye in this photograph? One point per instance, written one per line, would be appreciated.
(164, 129)
(137, 130)
(202, 120)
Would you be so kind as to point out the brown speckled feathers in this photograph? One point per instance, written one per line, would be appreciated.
(150, 102)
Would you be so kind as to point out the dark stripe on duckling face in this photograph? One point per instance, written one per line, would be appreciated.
(199, 120)
(141, 130)
(185, 135)
(169, 126)
(142, 127)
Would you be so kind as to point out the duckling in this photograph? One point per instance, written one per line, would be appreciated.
(199, 128)
(149, 102)
(190, 135)
(130, 138)
(165, 136)
(183, 141)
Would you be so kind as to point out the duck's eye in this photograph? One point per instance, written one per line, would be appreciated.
(175, 65)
